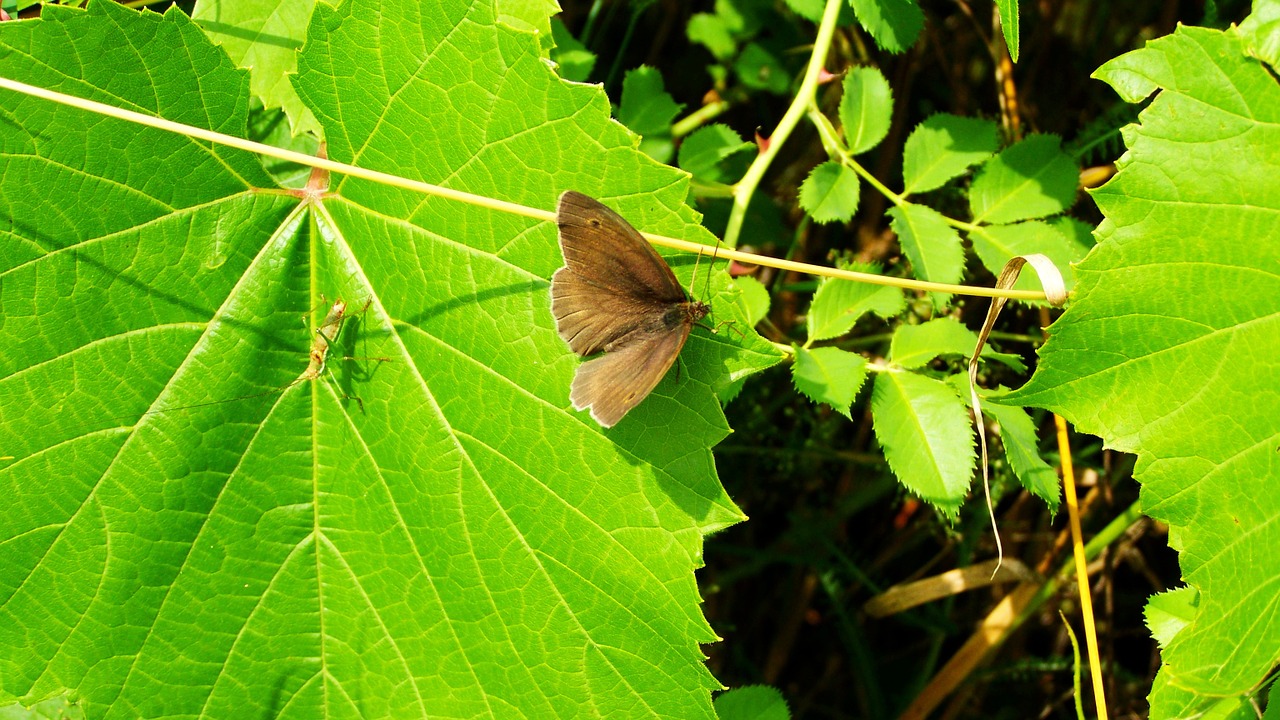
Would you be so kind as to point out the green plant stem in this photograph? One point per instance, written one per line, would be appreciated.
(698, 118)
(746, 187)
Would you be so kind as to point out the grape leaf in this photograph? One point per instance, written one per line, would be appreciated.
(437, 531)
(1171, 349)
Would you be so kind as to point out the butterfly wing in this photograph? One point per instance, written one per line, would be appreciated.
(615, 382)
(613, 283)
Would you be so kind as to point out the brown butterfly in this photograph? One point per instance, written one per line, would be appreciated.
(616, 295)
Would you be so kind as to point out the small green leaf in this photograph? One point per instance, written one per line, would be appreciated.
(759, 69)
(753, 702)
(753, 298)
(1079, 234)
(838, 304)
(711, 32)
(932, 246)
(704, 153)
(829, 375)
(648, 109)
(997, 244)
(943, 147)
(927, 439)
(1167, 613)
(914, 346)
(895, 24)
(1021, 446)
(575, 60)
(830, 193)
(1031, 179)
(866, 108)
(1009, 24)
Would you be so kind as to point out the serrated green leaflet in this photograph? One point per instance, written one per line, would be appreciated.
(998, 244)
(932, 246)
(1030, 179)
(838, 304)
(830, 193)
(915, 345)
(943, 147)
(829, 375)
(1172, 347)
(865, 108)
(926, 435)
(895, 24)
(455, 542)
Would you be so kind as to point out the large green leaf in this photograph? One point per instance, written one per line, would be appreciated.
(1172, 347)
(437, 533)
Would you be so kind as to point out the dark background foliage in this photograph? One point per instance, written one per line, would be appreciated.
(829, 526)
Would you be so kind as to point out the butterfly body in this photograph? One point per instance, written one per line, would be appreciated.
(615, 295)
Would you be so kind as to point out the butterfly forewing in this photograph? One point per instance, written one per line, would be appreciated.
(612, 278)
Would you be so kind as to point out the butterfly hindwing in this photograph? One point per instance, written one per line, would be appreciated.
(615, 382)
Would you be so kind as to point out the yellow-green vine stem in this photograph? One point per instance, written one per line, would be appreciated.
(746, 187)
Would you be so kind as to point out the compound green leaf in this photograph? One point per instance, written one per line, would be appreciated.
(648, 109)
(829, 375)
(195, 526)
(753, 297)
(706, 153)
(944, 146)
(575, 61)
(924, 429)
(1171, 349)
(1030, 179)
(866, 108)
(1021, 446)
